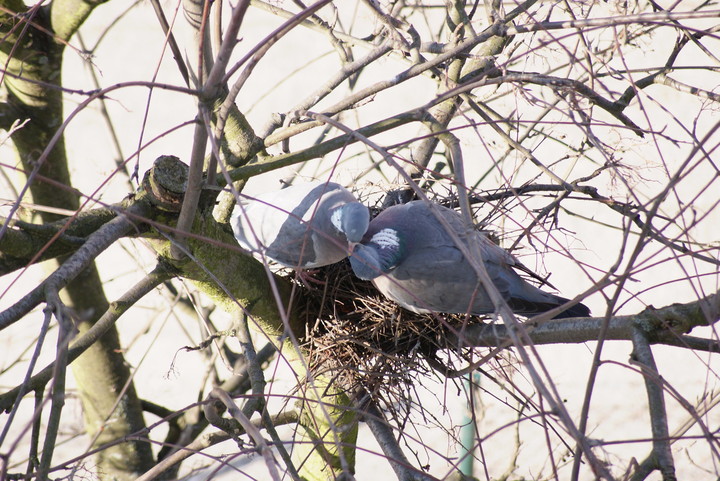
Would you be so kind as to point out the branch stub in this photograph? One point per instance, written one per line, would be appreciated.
(166, 183)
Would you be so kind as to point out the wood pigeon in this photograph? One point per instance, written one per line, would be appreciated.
(302, 226)
(411, 259)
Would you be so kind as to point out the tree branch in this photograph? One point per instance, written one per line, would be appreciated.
(184, 452)
(562, 84)
(641, 18)
(661, 456)
(385, 437)
(59, 375)
(159, 275)
(103, 238)
(249, 428)
(663, 326)
(25, 243)
(256, 402)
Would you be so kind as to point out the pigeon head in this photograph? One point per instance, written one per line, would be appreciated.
(352, 219)
(365, 262)
(378, 256)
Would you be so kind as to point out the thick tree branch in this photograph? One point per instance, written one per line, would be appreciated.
(26, 243)
(68, 15)
(662, 326)
(103, 238)
(385, 437)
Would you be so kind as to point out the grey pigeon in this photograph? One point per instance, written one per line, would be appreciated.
(411, 259)
(303, 226)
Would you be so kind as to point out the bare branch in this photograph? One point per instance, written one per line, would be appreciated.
(642, 18)
(101, 326)
(249, 428)
(59, 372)
(208, 440)
(385, 437)
(256, 402)
(664, 326)
(562, 84)
(661, 457)
(103, 238)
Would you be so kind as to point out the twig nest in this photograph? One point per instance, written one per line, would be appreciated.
(367, 342)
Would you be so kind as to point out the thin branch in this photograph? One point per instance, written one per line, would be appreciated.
(347, 70)
(651, 79)
(623, 208)
(196, 15)
(23, 388)
(250, 429)
(254, 56)
(112, 131)
(103, 238)
(170, 39)
(412, 72)
(519, 147)
(339, 142)
(694, 343)
(216, 76)
(663, 79)
(641, 18)
(159, 275)
(195, 184)
(661, 456)
(192, 418)
(256, 402)
(286, 417)
(549, 81)
(56, 306)
(385, 437)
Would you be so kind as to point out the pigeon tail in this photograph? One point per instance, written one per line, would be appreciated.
(578, 310)
(531, 308)
(424, 268)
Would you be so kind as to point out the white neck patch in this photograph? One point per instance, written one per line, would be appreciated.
(336, 218)
(386, 238)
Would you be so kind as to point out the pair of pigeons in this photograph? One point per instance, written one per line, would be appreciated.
(407, 252)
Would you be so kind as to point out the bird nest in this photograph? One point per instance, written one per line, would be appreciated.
(367, 343)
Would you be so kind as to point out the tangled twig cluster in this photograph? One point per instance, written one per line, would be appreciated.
(368, 343)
